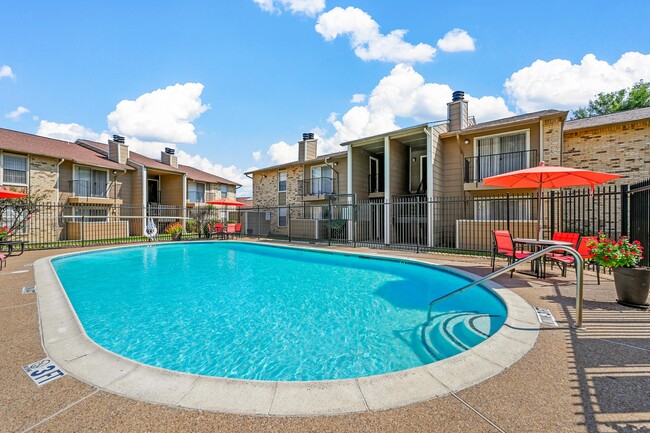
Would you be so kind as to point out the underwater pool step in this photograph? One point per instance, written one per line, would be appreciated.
(451, 333)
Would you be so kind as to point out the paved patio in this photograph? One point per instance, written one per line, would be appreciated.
(592, 380)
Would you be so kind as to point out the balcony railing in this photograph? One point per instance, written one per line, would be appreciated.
(375, 183)
(318, 186)
(478, 168)
(196, 197)
(85, 188)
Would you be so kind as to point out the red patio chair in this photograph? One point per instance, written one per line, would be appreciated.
(585, 253)
(574, 238)
(238, 229)
(505, 247)
(217, 230)
(230, 230)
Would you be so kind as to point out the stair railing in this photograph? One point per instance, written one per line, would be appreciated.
(579, 263)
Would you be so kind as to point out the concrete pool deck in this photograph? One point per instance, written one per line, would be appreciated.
(596, 379)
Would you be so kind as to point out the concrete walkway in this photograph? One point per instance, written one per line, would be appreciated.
(591, 380)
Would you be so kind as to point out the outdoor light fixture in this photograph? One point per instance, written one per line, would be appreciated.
(466, 141)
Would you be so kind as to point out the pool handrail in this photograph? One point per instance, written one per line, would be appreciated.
(579, 263)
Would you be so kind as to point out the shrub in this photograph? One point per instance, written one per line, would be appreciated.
(616, 254)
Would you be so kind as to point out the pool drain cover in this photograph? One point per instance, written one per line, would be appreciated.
(545, 317)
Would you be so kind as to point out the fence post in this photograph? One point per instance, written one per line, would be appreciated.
(83, 229)
(259, 222)
(508, 211)
(289, 220)
(417, 226)
(552, 215)
(625, 199)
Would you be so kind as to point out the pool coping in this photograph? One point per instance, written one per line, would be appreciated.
(65, 341)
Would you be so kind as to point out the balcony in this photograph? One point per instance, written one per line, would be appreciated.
(318, 186)
(477, 168)
(84, 191)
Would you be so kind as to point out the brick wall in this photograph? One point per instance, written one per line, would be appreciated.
(552, 136)
(622, 149)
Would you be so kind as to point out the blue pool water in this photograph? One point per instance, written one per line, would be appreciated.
(258, 312)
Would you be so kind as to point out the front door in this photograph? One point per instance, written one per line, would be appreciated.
(152, 191)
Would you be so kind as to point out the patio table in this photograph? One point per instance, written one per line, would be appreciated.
(538, 245)
(11, 245)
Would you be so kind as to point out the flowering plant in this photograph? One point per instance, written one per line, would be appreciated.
(5, 232)
(615, 254)
(174, 228)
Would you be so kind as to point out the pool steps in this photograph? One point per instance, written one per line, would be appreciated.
(451, 333)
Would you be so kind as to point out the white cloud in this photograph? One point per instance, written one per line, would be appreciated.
(230, 172)
(405, 94)
(67, 131)
(456, 40)
(560, 84)
(17, 113)
(366, 40)
(162, 115)
(6, 72)
(308, 7)
(281, 152)
(358, 98)
(257, 155)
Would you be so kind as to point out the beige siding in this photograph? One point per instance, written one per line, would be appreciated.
(451, 168)
(399, 163)
(360, 172)
(172, 189)
(438, 161)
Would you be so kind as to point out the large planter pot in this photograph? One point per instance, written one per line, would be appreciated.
(176, 236)
(632, 285)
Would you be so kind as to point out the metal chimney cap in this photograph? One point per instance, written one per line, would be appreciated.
(118, 139)
(458, 95)
(169, 150)
(307, 136)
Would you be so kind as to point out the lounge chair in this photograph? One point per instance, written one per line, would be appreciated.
(504, 246)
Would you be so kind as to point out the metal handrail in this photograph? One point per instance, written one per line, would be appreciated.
(579, 263)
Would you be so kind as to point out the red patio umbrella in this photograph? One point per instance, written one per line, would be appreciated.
(225, 202)
(547, 176)
(5, 193)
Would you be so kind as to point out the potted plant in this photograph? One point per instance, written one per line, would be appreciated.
(632, 281)
(175, 230)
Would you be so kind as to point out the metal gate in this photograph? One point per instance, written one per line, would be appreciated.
(640, 216)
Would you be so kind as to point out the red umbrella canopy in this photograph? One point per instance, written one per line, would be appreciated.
(5, 193)
(546, 176)
(225, 202)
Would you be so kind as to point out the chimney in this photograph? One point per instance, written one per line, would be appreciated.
(118, 151)
(457, 114)
(307, 147)
(168, 157)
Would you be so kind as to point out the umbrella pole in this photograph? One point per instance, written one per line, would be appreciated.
(539, 213)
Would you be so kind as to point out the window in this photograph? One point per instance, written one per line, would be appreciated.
(196, 192)
(224, 191)
(498, 209)
(322, 180)
(282, 217)
(100, 214)
(501, 154)
(89, 182)
(8, 218)
(14, 169)
(282, 181)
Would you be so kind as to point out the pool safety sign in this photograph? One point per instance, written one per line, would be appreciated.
(43, 371)
(545, 317)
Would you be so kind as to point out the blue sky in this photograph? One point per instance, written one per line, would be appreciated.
(233, 84)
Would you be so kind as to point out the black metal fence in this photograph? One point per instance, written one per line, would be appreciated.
(412, 223)
(639, 215)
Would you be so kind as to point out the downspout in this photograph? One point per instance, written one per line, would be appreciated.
(335, 171)
(144, 194)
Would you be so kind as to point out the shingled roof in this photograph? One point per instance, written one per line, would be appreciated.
(202, 176)
(608, 119)
(21, 142)
(505, 122)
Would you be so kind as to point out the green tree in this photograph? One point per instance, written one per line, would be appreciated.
(637, 96)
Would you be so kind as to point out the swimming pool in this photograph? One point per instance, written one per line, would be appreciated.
(246, 311)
